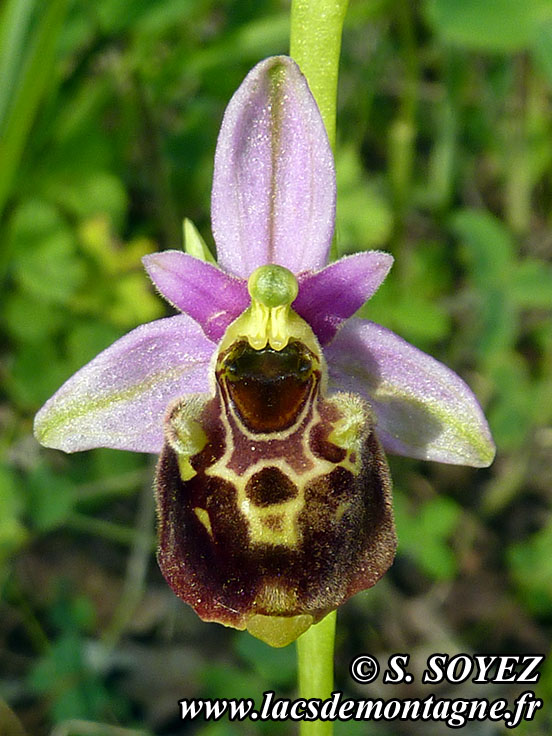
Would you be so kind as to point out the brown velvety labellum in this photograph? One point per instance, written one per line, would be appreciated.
(285, 522)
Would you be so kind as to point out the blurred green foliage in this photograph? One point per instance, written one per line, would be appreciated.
(109, 113)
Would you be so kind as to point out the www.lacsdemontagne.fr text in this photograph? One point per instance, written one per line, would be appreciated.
(453, 712)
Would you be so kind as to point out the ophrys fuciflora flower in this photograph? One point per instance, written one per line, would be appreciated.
(268, 402)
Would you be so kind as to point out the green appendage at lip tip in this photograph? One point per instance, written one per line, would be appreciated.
(278, 631)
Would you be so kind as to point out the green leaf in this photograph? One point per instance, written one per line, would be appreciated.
(133, 301)
(161, 17)
(542, 47)
(45, 262)
(72, 614)
(512, 413)
(35, 76)
(429, 268)
(220, 729)
(532, 284)
(115, 17)
(487, 246)
(531, 566)
(194, 245)
(221, 682)
(96, 193)
(424, 535)
(29, 319)
(51, 271)
(497, 323)
(12, 532)
(37, 371)
(277, 667)
(488, 251)
(364, 218)
(86, 340)
(14, 25)
(11, 724)
(250, 41)
(420, 319)
(73, 691)
(109, 463)
(411, 301)
(493, 25)
(411, 312)
(52, 498)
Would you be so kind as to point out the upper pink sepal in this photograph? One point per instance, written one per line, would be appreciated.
(273, 197)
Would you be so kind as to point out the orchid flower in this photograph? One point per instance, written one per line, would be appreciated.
(269, 403)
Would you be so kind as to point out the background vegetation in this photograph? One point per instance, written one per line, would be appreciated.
(109, 113)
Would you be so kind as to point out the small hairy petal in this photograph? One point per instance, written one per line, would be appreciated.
(119, 399)
(423, 408)
(273, 195)
(211, 296)
(330, 296)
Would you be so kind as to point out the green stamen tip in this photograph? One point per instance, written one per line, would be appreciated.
(273, 286)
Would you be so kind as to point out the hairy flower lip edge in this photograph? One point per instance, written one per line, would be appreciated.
(271, 147)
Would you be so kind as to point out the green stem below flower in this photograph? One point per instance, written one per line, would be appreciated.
(315, 649)
(315, 44)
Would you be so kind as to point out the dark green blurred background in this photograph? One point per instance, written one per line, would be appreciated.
(109, 112)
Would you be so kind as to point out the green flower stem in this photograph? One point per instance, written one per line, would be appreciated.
(315, 650)
(315, 43)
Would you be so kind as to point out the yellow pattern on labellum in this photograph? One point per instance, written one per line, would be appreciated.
(279, 494)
